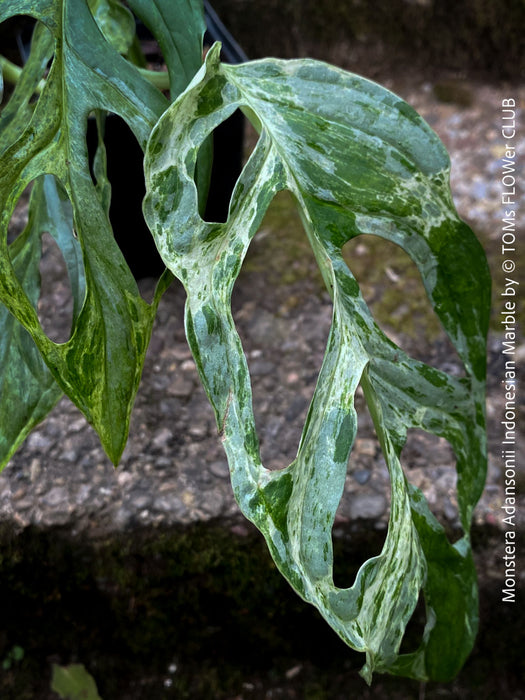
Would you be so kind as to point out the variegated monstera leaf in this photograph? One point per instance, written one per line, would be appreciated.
(358, 160)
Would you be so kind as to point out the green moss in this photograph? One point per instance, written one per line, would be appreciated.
(129, 606)
(453, 92)
(389, 280)
(392, 287)
(280, 249)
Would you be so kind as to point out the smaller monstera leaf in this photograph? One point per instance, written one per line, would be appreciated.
(358, 160)
(43, 135)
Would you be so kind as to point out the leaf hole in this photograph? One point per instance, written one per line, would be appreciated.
(16, 35)
(429, 463)
(284, 320)
(38, 259)
(392, 287)
(124, 173)
(228, 140)
(55, 305)
(365, 503)
(415, 627)
(19, 218)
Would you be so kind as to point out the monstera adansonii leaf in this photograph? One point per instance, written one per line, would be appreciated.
(43, 145)
(358, 160)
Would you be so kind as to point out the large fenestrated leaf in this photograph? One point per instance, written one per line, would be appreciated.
(100, 366)
(358, 160)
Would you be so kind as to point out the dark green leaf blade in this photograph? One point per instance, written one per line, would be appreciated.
(179, 28)
(18, 111)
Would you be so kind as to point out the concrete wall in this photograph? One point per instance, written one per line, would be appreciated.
(476, 36)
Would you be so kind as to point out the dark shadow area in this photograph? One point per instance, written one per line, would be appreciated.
(202, 612)
(353, 513)
(228, 146)
(126, 175)
(415, 628)
(472, 36)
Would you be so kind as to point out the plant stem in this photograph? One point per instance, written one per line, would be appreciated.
(11, 73)
(159, 78)
(135, 54)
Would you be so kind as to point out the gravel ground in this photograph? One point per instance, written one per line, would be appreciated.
(173, 469)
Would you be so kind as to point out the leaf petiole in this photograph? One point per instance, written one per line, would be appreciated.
(11, 73)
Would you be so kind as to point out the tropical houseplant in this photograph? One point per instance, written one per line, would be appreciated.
(358, 160)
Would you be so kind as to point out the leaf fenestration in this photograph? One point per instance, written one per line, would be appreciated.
(358, 160)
